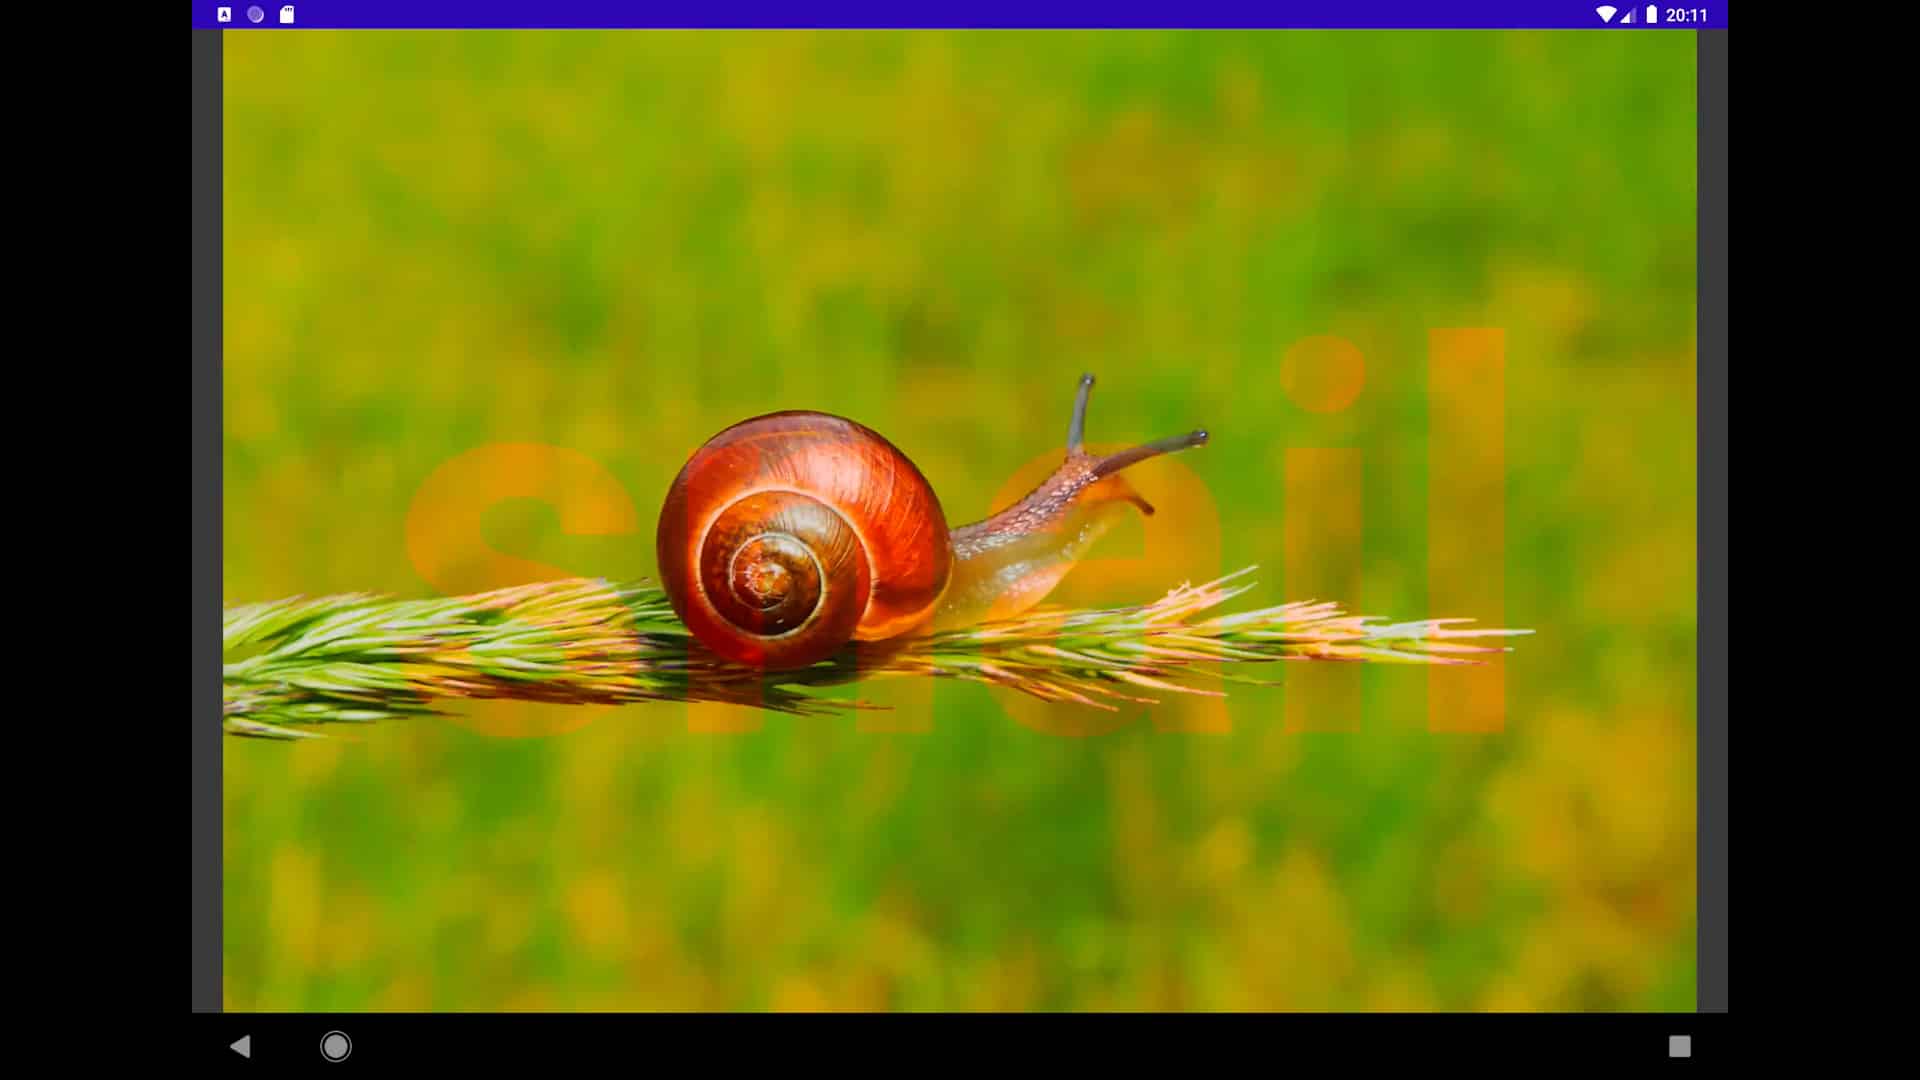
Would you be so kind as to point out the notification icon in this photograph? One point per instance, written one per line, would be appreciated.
(223, 14)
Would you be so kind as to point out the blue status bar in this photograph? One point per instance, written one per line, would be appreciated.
(955, 14)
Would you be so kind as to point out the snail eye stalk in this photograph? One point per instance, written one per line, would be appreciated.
(1077, 427)
(1113, 463)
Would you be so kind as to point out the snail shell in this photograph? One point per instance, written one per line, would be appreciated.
(787, 535)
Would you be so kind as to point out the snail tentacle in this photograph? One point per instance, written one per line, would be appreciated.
(1008, 562)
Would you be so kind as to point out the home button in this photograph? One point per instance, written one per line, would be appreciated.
(335, 1046)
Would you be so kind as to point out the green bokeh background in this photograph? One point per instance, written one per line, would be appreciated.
(616, 244)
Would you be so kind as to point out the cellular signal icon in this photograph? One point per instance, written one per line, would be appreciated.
(1605, 11)
(1627, 20)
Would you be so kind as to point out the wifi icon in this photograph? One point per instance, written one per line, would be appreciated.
(1605, 11)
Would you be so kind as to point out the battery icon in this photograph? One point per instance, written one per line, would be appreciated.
(1653, 14)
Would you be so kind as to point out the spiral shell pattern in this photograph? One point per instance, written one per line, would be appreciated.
(788, 535)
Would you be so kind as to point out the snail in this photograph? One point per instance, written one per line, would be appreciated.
(789, 535)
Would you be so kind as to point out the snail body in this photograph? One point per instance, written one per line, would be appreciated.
(788, 535)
